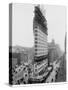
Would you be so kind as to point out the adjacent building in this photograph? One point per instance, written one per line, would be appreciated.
(54, 52)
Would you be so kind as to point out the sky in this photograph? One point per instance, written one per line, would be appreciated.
(22, 24)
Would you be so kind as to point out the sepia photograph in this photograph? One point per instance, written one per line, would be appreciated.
(37, 43)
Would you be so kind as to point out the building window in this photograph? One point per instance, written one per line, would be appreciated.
(35, 46)
(35, 49)
(36, 39)
(36, 34)
(36, 29)
(36, 42)
(35, 53)
(52, 80)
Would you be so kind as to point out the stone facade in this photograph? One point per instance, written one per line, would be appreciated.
(40, 35)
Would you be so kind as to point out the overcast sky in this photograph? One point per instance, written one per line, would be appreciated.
(22, 25)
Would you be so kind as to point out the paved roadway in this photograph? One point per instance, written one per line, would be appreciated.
(51, 78)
